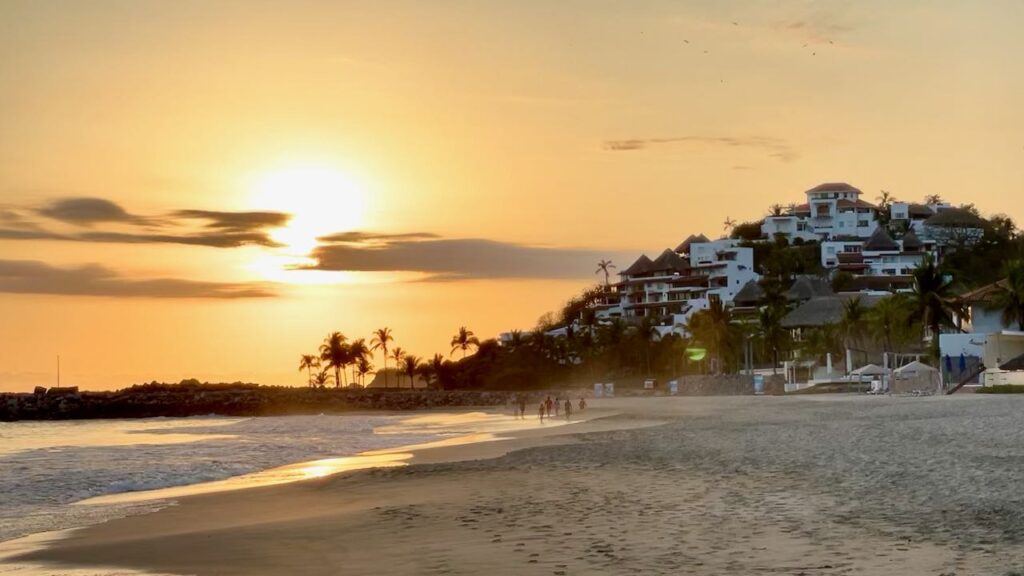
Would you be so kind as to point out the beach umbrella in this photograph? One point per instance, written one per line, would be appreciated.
(949, 364)
(963, 362)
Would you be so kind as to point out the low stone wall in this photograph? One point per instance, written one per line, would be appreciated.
(262, 401)
(704, 385)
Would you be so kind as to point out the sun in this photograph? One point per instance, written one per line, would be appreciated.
(320, 200)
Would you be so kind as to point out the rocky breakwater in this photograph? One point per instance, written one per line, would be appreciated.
(246, 400)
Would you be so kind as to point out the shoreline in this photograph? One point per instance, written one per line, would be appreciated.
(26, 551)
(823, 486)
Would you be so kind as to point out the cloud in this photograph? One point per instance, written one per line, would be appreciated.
(86, 211)
(218, 229)
(363, 237)
(34, 277)
(237, 221)
(774, 147)
(456, 259)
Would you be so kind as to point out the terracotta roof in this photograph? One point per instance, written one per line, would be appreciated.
(801, 208)
(850, 257)
(887, 283)
(642, 265)
(833, 187)
(880, 241)
(984, 294)
(844, 203)
(684, 246)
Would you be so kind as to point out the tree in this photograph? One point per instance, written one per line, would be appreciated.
(776, 210)
(889, 321)
(854, 322)
(335, 354)
(464, 340)
(714, 328)
(933, 199)
(397, 354)
(411, 367)
(358, 351)
(932, 300)
(884, 208)
(364, 367)
(772, 334)
(322, 377)
(307, 363)
(381, 339)
(603, 266)
(1009, 298)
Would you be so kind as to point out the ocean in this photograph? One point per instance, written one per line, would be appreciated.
(60, 475)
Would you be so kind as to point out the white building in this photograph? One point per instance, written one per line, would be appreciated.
(833, 209)
(679, 282)
(987, 342)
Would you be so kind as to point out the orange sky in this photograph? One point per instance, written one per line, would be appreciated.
(517, 142)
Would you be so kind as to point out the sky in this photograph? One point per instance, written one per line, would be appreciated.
(207, 188)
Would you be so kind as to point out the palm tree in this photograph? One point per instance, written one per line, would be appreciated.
(714, 327)
(364, 367)
(411, 367)
(381, 339)
(933, 199)
(932, 300)
(1009, 299)
(307, 363)
(603, 266)
(854, 322)
(335, 353)
(890, 321)
(774, 336)
(357, 352)
(464, 340)
(322, 377)
(397, 354)
(776, 210)
(431, 370)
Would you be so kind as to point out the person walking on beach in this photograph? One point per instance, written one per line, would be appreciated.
(547, 405)
(522, 406)
(568, 409)
(558, 405)
(583, 404)
(540, 411)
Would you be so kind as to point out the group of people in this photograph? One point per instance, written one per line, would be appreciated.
(549, 408)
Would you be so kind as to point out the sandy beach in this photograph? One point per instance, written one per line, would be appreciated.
(739, 485)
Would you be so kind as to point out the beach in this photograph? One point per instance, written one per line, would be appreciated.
(740, 485)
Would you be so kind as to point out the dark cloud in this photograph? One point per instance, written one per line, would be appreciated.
(237, 221)
(86, 211)
(217, 229)
(216, 240)
(33, 277)
(362, 237)
(774, 147)
(458, 259)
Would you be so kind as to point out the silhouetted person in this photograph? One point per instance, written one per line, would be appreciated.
(522, 407)
(568, 409)
(558, 406)
(583, 404)
(547, 405)
(540, 411)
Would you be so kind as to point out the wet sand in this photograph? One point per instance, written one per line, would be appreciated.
(814, 486)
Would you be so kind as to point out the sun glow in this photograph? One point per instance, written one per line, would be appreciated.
(321, 201)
